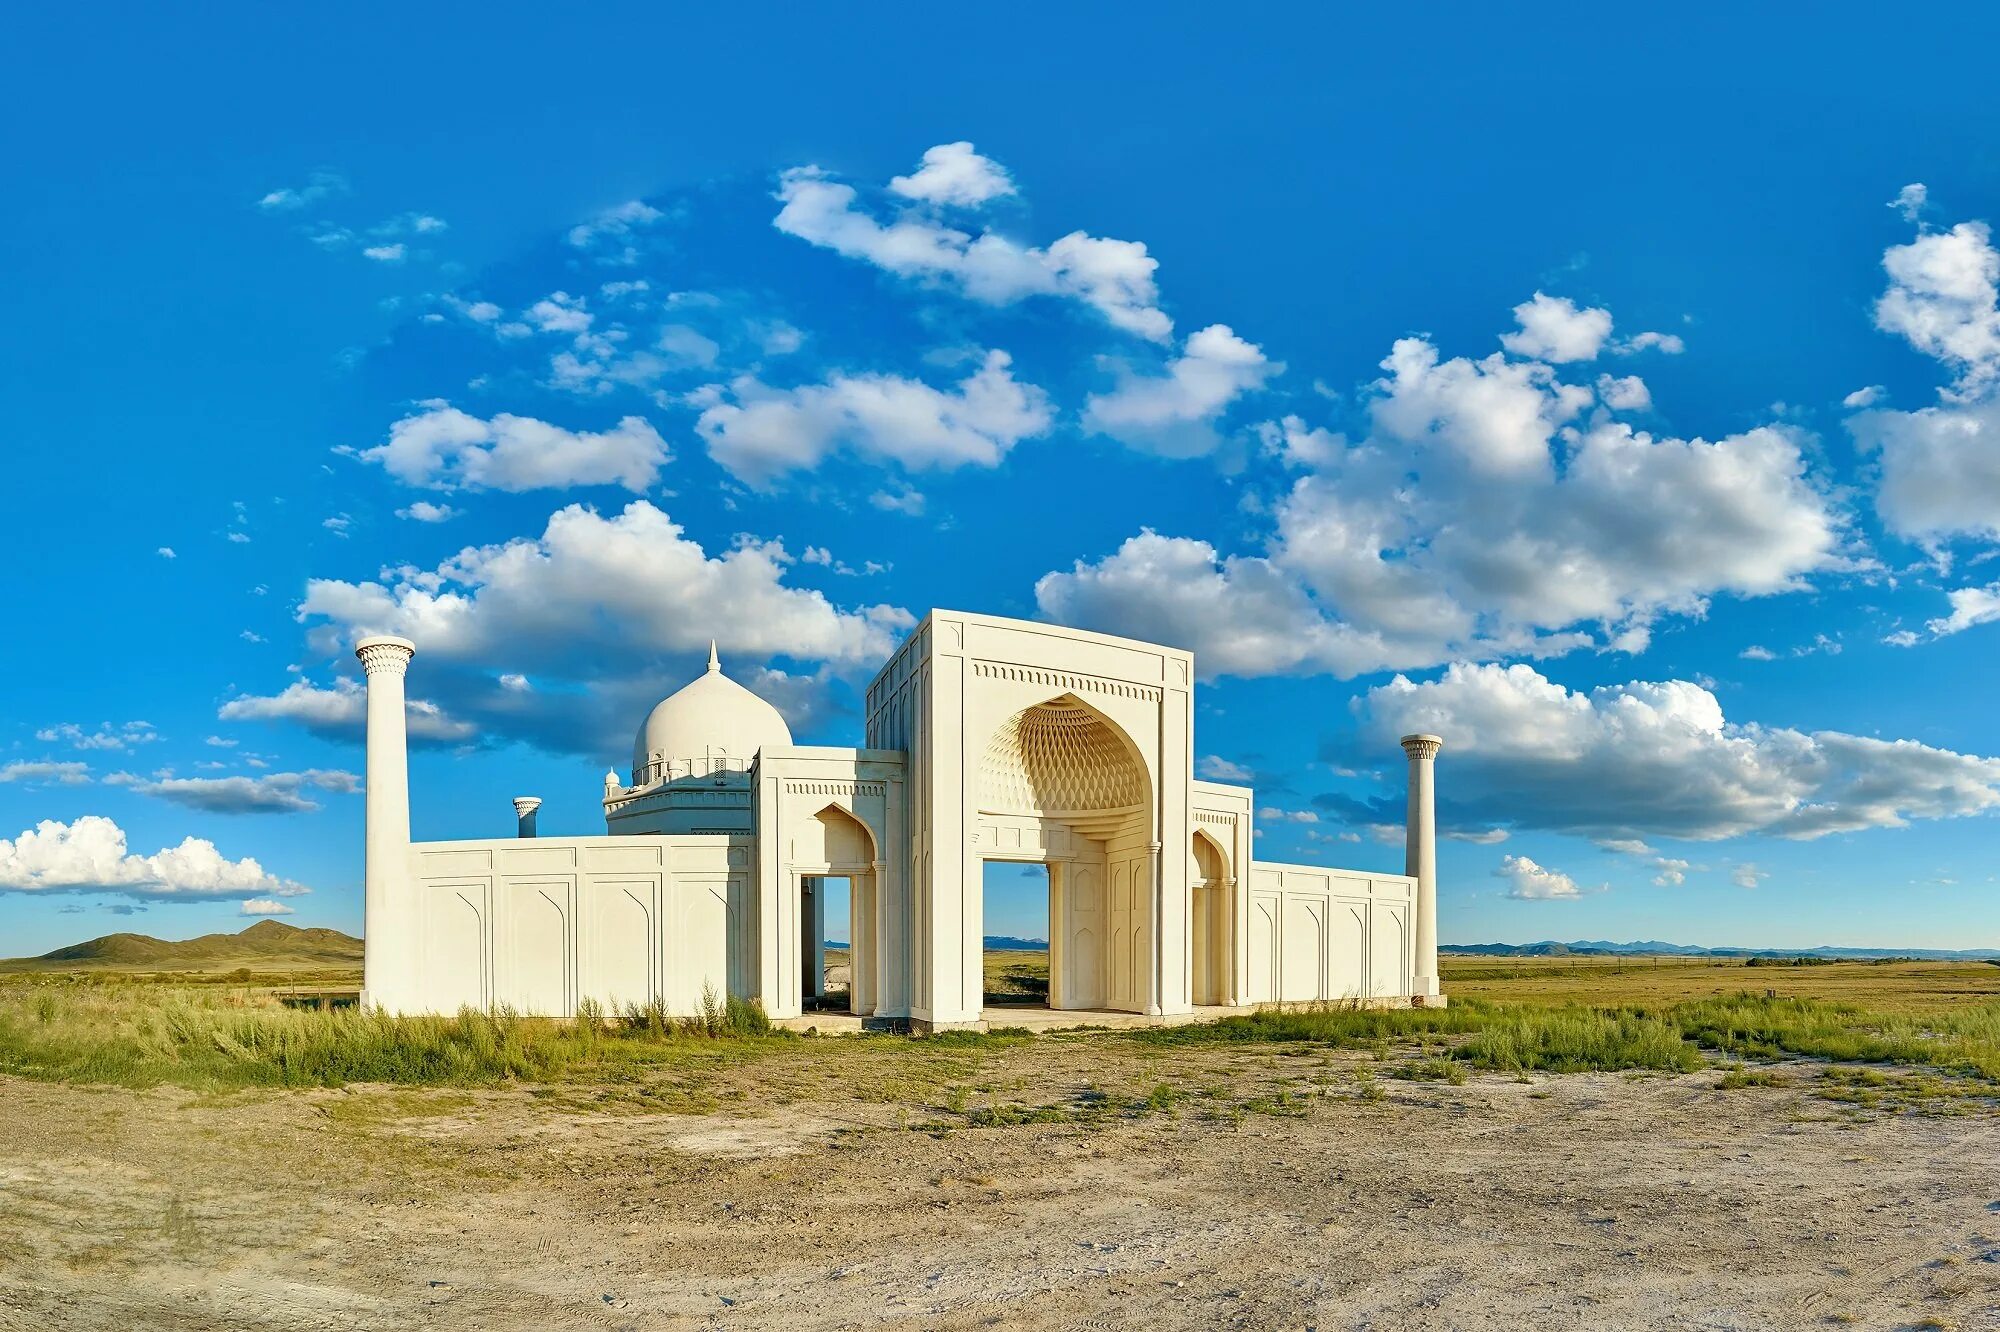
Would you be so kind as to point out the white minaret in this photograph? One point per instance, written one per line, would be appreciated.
(524, 814)
(385, 658)
(1420, 858)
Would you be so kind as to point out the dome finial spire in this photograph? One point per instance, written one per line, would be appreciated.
(714, 662)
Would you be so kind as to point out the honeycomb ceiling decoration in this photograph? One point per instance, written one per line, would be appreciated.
(1058, 756)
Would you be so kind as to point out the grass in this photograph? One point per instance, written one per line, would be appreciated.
(120, 1031)
(141, 1035)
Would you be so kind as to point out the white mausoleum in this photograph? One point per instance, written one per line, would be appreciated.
(987, 739)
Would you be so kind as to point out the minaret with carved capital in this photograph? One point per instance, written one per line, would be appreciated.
(1420, 860)
(385, 658)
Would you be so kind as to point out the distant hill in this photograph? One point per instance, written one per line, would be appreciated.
(1654, 948)
(269, 945)
(995, 943)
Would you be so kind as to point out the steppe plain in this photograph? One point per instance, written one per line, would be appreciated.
(1820, 1165)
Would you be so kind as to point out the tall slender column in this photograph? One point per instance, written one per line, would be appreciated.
(1420, 861)
(384, 949)
(524, 814)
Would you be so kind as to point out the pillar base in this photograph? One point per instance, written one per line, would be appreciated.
(927, 1026)
(1433, 1000)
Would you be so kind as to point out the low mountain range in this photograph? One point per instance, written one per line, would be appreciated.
(269, 945)
(1654, 948)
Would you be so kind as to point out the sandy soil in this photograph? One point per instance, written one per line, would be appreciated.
(1584, 1201)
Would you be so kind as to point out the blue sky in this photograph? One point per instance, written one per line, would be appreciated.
(1595, 392)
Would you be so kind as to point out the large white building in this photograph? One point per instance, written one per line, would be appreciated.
(987, 739)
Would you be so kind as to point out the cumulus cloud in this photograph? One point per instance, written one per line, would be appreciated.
(1554, 329)
(1658, 758)
(423, 511)
(1747, 876)
(1530, 881)
(266, 793)
(90, 855)
(385, 254)
(605, 613)
(1491, 509)
(1911, 201)
(265, 906)
(1940, 465)
(759, 433)
(443, 448)
(1941, 299)
(45, 773)
(1113, 277)
(1174, 413)
(953, 173)
(1970, 606)
(340, 711)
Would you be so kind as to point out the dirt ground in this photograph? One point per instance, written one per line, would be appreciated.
(1586, 1201)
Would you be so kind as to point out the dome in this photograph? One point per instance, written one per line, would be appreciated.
(711, 725)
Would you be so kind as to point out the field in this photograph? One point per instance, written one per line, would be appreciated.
(1579, 1142)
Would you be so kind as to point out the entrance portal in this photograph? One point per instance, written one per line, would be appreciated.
(1016, 945)
(1068, 787)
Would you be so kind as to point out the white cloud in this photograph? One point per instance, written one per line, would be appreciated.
(1672, 873)
(340, 524)
(1532, 882)
(1554, 329)
(1215, 768)
(423, 511)
(1747, 876)
(442, 448)
(167, 553)
(1272, 814)
(385, 254)
(607, 614)
(320, 185)
(1659, 758)
(90, 855)
(760, 433)
(596, 590)
(45, 773)
(1480, 517)
(1864, 397)
(1174, 413)
(1624, 393)
(1940, 473)
(902, 500)
(1113, 277)
(952, 173)
(616, 224)
(127, 735)
(1970, 606)
(515, 683)
(1911, 201)
(1944, 299)
(1668, 344)
(341, 712)
(265, 906)
(1757, 652)
(268, 793)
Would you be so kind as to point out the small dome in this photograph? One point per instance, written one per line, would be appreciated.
(711, 725)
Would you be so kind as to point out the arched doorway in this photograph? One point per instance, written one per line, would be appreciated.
(1063, 772)
(837, 845)
(1211, 914)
